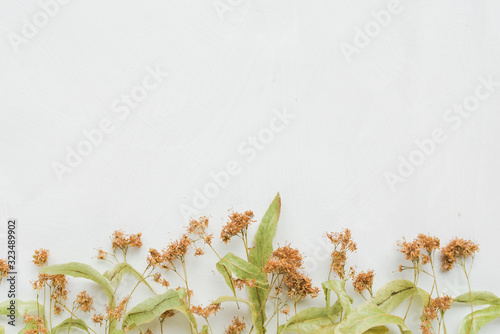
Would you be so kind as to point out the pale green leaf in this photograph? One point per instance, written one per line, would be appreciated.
(76, 269)
(366, 317)
(153, 307)
(246, 270)
(472, 325)
(315, 320)
(228, 276)
(263, 241)
(339, 288)
(478, 298)
(2, 330)
(115, 275)
(73, 323)
(377, 330)
(392, 294)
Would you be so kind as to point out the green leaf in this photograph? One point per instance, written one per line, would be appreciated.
(263, 240)
(339, 288)
(153, 307)
(76, 323)
(315, 320)
(478, 298)
(392, 294)
(377, 330)
(228, 276)
(204, 329)
(22, 307)
(481, 318)
(2, 330)
(115, 275)
(366, 317)
(76, 269)
(257, 295)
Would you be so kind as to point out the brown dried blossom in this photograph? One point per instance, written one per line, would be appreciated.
(102, 254)
(198, 226)
(241, 283)
(238, 223)
(413, 251)
(299, 286)
(4, 268)
(35, 321)
(206, 312)
(236, 327)
(58, 285)
(363, 281)
(98, 319)
(57, 309)
(457, 250)
(117, 311)
(40, 257)
(160, 280)
(177, 249)
(441, 304)
(287, 261)
(123, 241)
(59, 288)
(84, 301)
(284, 260)
(342, 244)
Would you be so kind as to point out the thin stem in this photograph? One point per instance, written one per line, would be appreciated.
(462, 263)
(415, 280)
(187, 290)
(296, 322)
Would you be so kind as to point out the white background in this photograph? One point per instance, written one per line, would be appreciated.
(228, 74)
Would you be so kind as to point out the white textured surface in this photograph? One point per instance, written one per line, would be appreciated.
(227, 76)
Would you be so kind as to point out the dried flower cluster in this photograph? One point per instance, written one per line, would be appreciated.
(363, 281)
(40, 257)
(178, 249)
(57, 284)
(413, 250)
(236, 327)
(431, 312)
(456, 250)
(36, 324)
(238, 223)
(84, 302)
(123, 241)
(287, 261)
(206, 312)
(342, 244)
